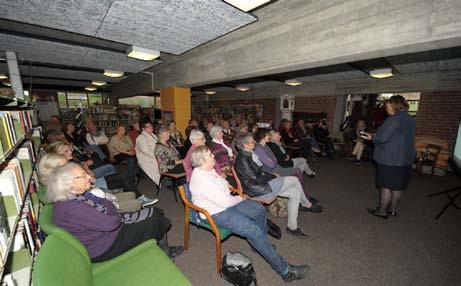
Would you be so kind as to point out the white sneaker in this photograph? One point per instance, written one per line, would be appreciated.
(145, 201)
(316, 150)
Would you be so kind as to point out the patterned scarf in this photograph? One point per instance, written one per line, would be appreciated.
(92, 201)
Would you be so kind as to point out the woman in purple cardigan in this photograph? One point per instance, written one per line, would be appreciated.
(223, 154)
(95, 221)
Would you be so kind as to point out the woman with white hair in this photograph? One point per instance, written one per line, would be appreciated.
(125, 202)
(166, 153)
(197, 138)
(145, 147)
(244, 217)
(95, 221)
(223, 154)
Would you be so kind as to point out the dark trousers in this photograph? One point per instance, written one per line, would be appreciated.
(130, 161)
(131, 235)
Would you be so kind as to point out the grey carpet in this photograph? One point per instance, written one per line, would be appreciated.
(347, 246)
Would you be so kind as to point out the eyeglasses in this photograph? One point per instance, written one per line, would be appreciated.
(85, 176)
(251, 142)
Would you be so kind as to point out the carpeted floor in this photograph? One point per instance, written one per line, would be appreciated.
(347, 246)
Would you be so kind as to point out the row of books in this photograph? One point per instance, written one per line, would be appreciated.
(13, 127)
(18, 213)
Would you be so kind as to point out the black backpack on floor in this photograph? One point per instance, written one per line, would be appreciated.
(237, 269)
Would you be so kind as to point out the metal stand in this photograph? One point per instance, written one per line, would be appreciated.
(451, 199)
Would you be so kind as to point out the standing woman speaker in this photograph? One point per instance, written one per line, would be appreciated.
(394, 154)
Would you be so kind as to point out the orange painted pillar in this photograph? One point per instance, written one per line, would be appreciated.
(175, 104)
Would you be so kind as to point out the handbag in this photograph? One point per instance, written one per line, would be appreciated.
(279, 207)
(273, 229)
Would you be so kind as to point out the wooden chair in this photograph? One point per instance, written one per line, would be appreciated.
(431, 159)
(191, 215)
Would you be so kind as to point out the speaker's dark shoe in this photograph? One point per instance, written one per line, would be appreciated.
(312, 209)
(376, 214)
(298, 233)
(392, 213)
(296, 272)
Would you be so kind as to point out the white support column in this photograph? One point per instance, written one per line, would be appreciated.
(14, 74)
(341, 104)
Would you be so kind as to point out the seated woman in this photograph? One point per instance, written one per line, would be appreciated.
(122, 149)
(263, 186)
(95, 221)
(228, 133)
(268, 159)
(283, 159)
(243, 217)
(105, 177)
(145, 147)
(71, 136)
(289, 139)
(166, 153)
(176, 139)
(359, 142)
(125, 202)
(322, 135)
(302, 133)
(223, 154)
(97, 141)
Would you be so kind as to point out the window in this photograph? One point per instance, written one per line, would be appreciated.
(77, 99)
(62, 99)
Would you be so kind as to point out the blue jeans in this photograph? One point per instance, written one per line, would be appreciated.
(248, 219)
(101, 183)
(104, 170)
(96, 149)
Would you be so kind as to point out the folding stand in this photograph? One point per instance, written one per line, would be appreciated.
(452, 199)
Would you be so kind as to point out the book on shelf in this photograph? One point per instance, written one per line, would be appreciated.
(13, 126)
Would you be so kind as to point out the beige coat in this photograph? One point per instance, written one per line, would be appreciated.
(145, 147)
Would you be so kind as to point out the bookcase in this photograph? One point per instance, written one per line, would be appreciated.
(19, 205)
(106, 116)
(129, 114)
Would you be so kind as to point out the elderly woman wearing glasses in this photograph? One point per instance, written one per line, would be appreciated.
(96, 222)
(244, 217)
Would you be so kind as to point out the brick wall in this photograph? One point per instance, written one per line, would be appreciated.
(316, 104)
(438, 115)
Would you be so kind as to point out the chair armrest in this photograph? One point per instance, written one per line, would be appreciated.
(210, 220)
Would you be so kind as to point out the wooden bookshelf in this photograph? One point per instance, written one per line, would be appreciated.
(106, 116)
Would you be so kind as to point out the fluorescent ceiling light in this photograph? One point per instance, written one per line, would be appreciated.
(381, 73)
(210, 92)
(111, 73)
(98, 82)
(142, 53)
(242, 88)
(90, 88)
(246, 5)
(6, 83)
(293, 82)
(3, 76)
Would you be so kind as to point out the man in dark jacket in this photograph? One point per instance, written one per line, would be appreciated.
(265, 187)
(322, 135)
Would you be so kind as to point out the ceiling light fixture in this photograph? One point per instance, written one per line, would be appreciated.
(210, 92)
(242, 88)
(111, 73)
(381, 73)
(90, 88)
(6, 83)
(142, 53)
(293, 82)
(3, 76)
(98, 82)
(246, 5)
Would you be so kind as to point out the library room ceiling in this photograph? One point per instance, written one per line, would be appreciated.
(444, 60)
(76, 40)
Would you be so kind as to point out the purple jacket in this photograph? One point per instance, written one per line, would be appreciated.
(95, 230)
(266, 157)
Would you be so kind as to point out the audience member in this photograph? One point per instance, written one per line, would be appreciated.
(95, 221)
(145, 148)
(54, 125)
(223, 154)
(122, 149)
(97, 141)
(301, 133)
(167, 155)
(260, 185)
(243, 217)
(135, 132)
(322, 135)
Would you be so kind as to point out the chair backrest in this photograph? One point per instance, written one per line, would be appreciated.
(237, 180)
(186, 197)
(45, 219)
(59, 263)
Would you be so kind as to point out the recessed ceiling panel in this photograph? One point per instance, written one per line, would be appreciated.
(42, 51)
(417, 67)
(172, 26)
